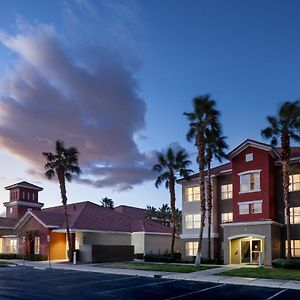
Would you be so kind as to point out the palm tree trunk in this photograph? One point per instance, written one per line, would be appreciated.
(285, 175)
(200, 144)
(173, 209)
(63, 192)
(209, 209)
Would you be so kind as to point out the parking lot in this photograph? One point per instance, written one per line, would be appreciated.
(29, 283)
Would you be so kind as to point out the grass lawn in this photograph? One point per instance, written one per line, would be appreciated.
(155, 267)
(284, 274)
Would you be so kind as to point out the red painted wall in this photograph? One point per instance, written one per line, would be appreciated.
(263, 161)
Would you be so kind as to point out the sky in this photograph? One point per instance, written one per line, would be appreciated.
(113, 78)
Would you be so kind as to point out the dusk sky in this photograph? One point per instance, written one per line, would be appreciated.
(113, 78)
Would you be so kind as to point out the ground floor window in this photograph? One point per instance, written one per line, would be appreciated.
(37, 245)
(9, 245)
(191, 248)
(295, 245)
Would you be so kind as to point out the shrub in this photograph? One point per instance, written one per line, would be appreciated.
(32, 257)
(8, 256)
(162, 258)
(286, 263)
(139, 256)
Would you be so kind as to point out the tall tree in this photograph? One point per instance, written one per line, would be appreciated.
(215, 148)
(63, 164)
(107, 203)
(164, 214)
(150, 212)
(171, 164)
(284, 127)
(204, 117)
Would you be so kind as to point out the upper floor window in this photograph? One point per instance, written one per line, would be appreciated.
(226, 191)
(192, 221)
(294, 215)
(249, 157)
(33, 196)
(250, 181)
(253, 207)
(192, 194)
(226, 217)
(294, 182)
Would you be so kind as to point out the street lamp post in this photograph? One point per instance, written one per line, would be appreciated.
(49, 258)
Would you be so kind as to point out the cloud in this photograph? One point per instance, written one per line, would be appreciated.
(84, 95)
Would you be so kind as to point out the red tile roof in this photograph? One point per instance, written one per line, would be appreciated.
(90, 216)
(7, 223)
(130, 211)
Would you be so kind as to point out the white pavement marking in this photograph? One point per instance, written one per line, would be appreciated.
(275, 295)
(98, 281)
(137, 286)
(196, 292)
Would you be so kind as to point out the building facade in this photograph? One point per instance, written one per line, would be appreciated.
(248, 209)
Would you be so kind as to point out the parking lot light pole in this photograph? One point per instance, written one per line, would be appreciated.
(24, 249)
(49, 258)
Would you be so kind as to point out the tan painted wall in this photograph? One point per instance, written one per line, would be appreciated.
(138, 241)
(97, 238)
(160, 244)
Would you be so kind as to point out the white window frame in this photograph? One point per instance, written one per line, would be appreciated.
(193, 220)
(250, 205)
(293, 183)
(191, 248)
(250, 172)
(226, 217)
(249, 157)
(228, 194)
(37, 245)
(193, 195)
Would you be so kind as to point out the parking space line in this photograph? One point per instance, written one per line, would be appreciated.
(137, 286)
(275, 295)
(98, 281)
(196, 292)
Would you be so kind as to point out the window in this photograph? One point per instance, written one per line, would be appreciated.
(192, 194)
(295, 245)
(226, 191)
(28, 196)
(226, 217)
(11, 210)
(256, 208)
(37, 245)
(23, 194)
(250, 182)
(244, 209)
(253, 207)
(191, 248)
(249, 157)
(33, 196)
(10, 245)
(192, 221)
(295, 215)
(294, 182)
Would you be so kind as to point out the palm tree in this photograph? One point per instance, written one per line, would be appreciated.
(170, 165)
(285, 128)
(203, 118)
(107, 203)
(178, 219)
(164, 214)
(150, 212)
(215, 148)
(63, 163)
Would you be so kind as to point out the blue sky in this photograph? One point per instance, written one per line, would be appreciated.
(160, 54)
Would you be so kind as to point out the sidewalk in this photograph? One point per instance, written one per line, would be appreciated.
(210, 275)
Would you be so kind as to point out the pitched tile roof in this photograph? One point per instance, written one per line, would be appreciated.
(90, 216)
(7, 223)
(130, 211)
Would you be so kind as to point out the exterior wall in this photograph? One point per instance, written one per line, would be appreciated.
(160, 243)
(32, 225)
(271, 232)
(97, 238)
(261, 161)
(138, 241)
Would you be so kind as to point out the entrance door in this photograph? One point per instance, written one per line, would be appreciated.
(245, 252)
(255, 249)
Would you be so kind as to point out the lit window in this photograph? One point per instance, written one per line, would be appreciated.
(244, 209)
(192, 221)
(226, 217)
(294, 215)
(295, 246)
(192, 194)
(250, 182)
(294, 182)
(191, 248)
(10, 245)
(256, 208)
(226, 191)
(11, 209)
(36, 245)
(249, 157)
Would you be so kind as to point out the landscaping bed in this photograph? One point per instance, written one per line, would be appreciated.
(180, 268)
(268, 273)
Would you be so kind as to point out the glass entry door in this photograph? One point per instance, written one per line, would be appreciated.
(250, 249)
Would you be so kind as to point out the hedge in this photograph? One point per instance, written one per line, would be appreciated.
(286, 263)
